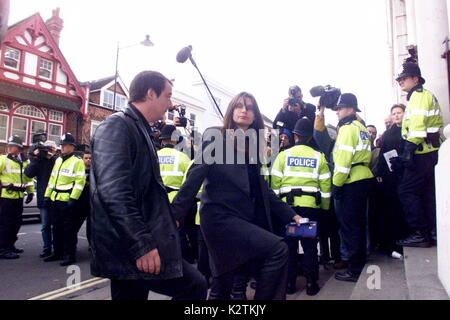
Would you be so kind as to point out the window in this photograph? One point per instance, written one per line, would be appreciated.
(94, 125)
(4, 106)
(36, 127)
(192, 120)
(30, 111)
(12, 58)
(46, 69)
(54, 132)
(3, 127)
(121, 102)
(170, 115)
(20, 128)
(57, 116)
(108, 98)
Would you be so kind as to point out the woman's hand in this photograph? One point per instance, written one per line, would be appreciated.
(297, 219)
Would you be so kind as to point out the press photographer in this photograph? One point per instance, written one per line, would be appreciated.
(42, 158)
(294, 109)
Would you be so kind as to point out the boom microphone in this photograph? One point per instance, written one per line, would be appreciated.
(184, 54)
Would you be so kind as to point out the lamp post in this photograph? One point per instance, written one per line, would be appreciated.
(146, 42)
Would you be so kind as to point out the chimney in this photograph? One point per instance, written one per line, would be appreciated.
(55, 25)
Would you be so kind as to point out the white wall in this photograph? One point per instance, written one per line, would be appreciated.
(443, 211)
(30, 66)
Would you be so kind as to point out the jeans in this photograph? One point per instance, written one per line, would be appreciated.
(46, 229)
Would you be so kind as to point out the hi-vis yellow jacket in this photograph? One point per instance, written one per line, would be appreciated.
(67, 179)
(351, 154)
(302, 167)
(422, 117)
(173, 165)
(12, 174)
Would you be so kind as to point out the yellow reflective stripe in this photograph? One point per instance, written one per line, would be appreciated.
(77, 186)
(66, 174)
(172, 187)
(277, 173)
(325, 176)
(172, 174)
(424, 113)
(433, 130)
(277, 191)
(342, 169)
(304, 188)
(80, 174)
(346, 148)
(325, 194)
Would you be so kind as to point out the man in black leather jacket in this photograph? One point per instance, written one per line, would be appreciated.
(134, 237)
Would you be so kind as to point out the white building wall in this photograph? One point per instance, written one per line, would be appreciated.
(30, 66)
(61, 77)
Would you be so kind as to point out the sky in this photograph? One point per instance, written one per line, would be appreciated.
(262, 47)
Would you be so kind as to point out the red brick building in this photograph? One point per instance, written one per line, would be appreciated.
(38, 90)
(100, 97)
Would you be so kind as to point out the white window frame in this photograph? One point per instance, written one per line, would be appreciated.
(41, 67)
(120, 97)
(7, 128)
(190, 119)
(94, 123)
(7, 49)
(33, 109)
(25, 142)
(48, 131)
(31, 128)
(109, 106)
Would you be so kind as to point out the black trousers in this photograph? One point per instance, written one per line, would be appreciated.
(10, 222)
(329, 239)
(64, 222)
(351, 211)
(418, 195)
(270, 274)
(82, 213)
(191, 286)
(310, 258)
(203, 256)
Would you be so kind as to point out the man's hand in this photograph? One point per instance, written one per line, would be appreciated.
(36, 152)
(176, 121)
(379, 179)
(149, 263)
(286, 104)
(297, 219)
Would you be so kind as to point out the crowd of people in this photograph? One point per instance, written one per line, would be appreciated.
(164, 222)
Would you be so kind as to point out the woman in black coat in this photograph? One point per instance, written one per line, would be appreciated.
(237, 204)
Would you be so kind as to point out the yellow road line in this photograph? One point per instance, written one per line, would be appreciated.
(70, 289)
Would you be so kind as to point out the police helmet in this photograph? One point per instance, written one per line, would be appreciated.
(15, 140)
(68, 138)
(304, 128)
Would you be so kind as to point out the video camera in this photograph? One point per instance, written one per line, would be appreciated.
(329, 95)
(181, 109)
(38, 142)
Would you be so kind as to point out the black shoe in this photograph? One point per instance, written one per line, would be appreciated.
(291, 288)
(417, 239)
(346, 276)
(17, 250)
(9, 255)
(45, 254)
(67, 261)
(312, 288)
(53, 257)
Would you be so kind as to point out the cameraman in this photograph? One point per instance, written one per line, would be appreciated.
(294, 109)
(42, 160)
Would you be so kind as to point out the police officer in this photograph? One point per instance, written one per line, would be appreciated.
(13, 183)
(173, 165)
(351, 181)
(301, 177)
(420, 131)
(63, 190)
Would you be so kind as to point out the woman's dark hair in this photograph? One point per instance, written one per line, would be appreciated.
(145, 81)
(228, 122)
(400, 105)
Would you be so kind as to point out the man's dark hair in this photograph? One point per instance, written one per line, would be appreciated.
(86, 151)
(372, 126)
(145, 81)
(400, 105)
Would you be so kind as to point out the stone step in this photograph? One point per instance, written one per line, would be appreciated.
(383, 278)
(421, 274)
